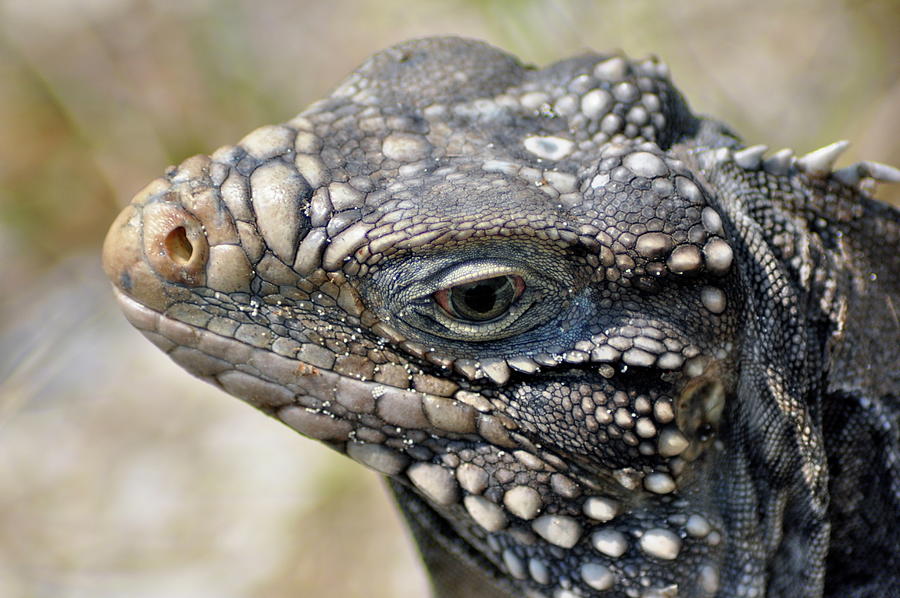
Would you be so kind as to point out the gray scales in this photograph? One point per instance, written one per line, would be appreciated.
(597, 345)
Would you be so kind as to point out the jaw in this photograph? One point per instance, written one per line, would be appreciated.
(505, 499)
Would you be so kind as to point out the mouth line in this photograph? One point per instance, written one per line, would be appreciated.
(333, 404)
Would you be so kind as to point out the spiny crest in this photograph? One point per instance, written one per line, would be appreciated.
(817, 163)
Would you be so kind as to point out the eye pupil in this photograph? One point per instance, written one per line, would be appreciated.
(481, 300)
(481, 297)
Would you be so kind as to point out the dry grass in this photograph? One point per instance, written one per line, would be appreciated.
(120, 475)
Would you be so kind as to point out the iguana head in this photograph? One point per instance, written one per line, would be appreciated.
(513, 291)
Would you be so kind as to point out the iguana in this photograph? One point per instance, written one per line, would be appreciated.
(597, 346)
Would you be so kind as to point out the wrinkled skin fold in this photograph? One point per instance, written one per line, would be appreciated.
(598, 346)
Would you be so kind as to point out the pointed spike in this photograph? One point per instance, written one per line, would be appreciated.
(718, 156)
(849, 175)
(853, 174)
(721, 155)
(780, 162)
(714, 157)
(882, 173)
(750, 158)
(821, 161)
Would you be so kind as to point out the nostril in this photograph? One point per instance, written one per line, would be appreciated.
(175, 244)
(178, 246)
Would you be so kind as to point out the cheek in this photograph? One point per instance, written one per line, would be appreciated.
(640, 431)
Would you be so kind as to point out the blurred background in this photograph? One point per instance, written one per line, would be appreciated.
(122, 476)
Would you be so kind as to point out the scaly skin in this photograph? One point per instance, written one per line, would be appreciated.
(598, 346)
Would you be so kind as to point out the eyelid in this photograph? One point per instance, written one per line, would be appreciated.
(474, 272)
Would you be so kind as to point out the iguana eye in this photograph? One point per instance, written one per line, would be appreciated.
(481, 300)
(482, 294)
